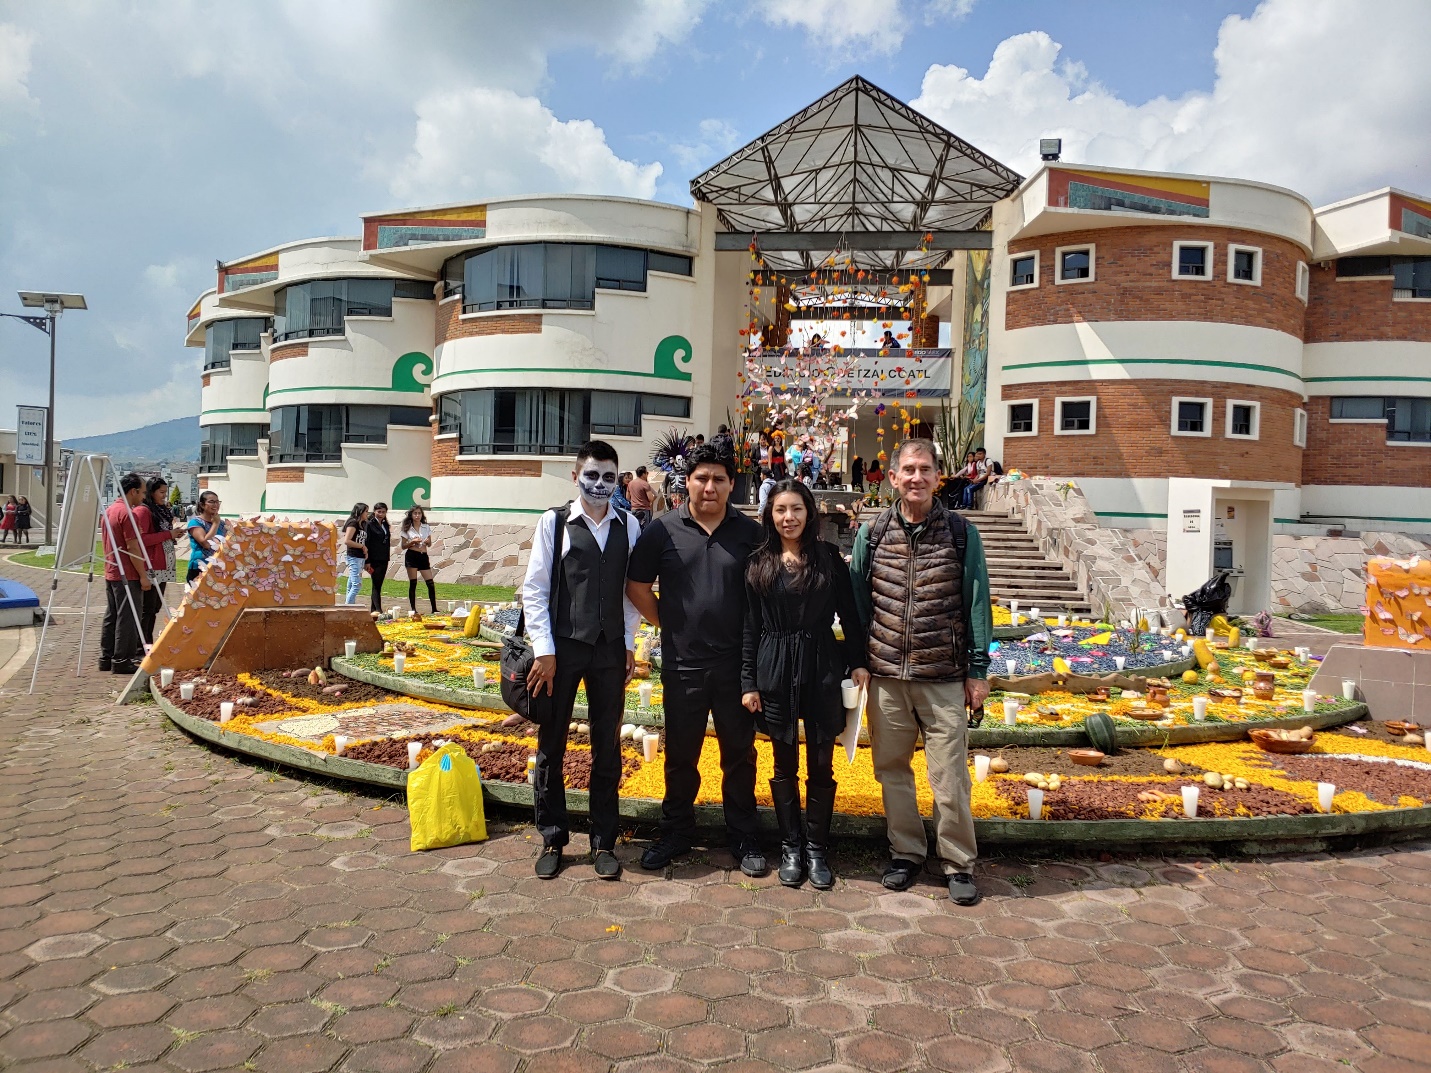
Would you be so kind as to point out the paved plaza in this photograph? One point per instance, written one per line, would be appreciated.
(167, 906)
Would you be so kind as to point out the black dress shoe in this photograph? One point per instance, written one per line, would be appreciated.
(126, 669)
(900, 874)
(605, 864)
(105, 666)
(662, 853)
(752, 860)
(549, 863)
(962, 890)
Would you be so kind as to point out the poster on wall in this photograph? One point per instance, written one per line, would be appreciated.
(30, 425)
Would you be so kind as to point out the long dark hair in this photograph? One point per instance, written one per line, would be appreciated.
(764, 568)
(355, 519)
(409, 522)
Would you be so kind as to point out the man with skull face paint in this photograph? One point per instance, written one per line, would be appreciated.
(584, 631)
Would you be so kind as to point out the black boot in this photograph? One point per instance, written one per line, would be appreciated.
(785, 793)
(819, 808)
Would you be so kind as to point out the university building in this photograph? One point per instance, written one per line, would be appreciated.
(1214, 359)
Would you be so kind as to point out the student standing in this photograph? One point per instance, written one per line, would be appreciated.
(699, 553)
(7, 520)
(792, 668)
(22, 520)
(639, 492)
(206, 531)
(379, 547)
(416, 538)
(355, 536)
(126, 579)
(584, 631)
(159, 533)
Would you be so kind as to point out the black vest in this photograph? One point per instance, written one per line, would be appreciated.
(589, 603)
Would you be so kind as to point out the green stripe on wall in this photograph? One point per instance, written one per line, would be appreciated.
(339, 387)
(1369, 379)
(592, 372)
(1205, 362)
(234, 410)
(1128, 514)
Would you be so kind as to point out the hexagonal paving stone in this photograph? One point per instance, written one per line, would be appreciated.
(64, 946)
(706, 1043)
(621, 1041)
(640, 979)
(532, 1034)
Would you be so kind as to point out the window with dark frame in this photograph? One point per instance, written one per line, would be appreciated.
(1075, 264)
(317, 432)
(222, 337)
(1192, 261)
(1021, 417)
(1022, 274)
(1244, 265)
(222, 442)
(1242, 419)
(1192, 416)
(546, 420)
(1075, 415)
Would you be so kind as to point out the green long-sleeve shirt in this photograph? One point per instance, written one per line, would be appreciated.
(976, 593)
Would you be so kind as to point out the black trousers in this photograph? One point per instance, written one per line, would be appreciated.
(153, 601)
(819, 761)
(119, 637)
(689, 696)
(377, 574)
(602, 667)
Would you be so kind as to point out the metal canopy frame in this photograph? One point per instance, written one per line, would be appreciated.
(857, 160)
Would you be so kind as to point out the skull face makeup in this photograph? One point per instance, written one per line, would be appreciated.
(597, 482)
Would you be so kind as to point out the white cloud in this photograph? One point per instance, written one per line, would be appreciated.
(715, 139)
(162, 277)
(842, 29)
(488, 142)
(651, 25)
(15, 45)
(1324, 97)
(952, 10)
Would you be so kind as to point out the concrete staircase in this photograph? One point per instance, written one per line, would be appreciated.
(1018, 569)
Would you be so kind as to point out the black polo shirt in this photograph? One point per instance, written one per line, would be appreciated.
(702, 580)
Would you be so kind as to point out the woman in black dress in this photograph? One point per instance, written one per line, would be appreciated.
(378, 545)
(792, 668)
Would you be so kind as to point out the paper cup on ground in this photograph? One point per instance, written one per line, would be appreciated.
(1199, 708)
(340, 742)
(226, 711)
(849, 693)
(1209, 635)
(166, 677)
(1012, 665)
(1011, 712)
(350, 648)
(186, 690)
(413, 748)
(1120, 662)
(1348, 689)
(399, 662)
(1189, 801)
(981, 767)
(1035, 803)
(1013, 607)
(479, 677)
(648, 746)
(644, 692)
(1325, 792)
(1034, 616)
(1309, 700)
(1063, 620)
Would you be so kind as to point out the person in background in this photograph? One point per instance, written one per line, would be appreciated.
(619, 497)
(922, 585)
(792, 668)
(978, 476)
(777, 456)
(158, 527)
(724, 443)
(767, 485)
(126, 579)
(22, 520)
(7, 520)
(805, 475)
(638, 491)
(889, 342)
(415, 536)
(794, 457)
(698, 554)
(379, 546)
(874, 476)
(206, 531)
(355, 537)
(857, 473)
(582, 633)
(813, 459)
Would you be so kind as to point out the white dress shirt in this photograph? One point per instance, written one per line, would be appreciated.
(536, 586)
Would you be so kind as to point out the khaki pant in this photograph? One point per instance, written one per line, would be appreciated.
(898, 712)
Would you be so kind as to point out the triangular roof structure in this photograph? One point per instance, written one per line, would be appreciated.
(856, 160)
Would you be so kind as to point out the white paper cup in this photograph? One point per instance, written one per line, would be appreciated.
(981, 767)
(413, 748)
(1012, 665)
(350, 648)
(648, 746)
(1325, 792)
(1120, 662)
(1309, 700)
(1015, 619)
(1013, 607)
(1348, 689)
(1199, 708)
(1063, 620)
(226, 711)
(1189, 801)
(1249, 640)
(849, 693)
(340, 742)
(644, 692)
(1187, 651)
(1033, 614)
(399, 661)
(1011, 712)
(166, 677)
(186, 690)
(1209, 635)
(1035, 803)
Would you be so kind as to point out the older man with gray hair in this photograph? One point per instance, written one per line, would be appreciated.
(922, 586)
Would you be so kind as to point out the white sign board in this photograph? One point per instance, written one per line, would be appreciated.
(30, 436)
(79, 520)
(1192, 521)
(897, 375)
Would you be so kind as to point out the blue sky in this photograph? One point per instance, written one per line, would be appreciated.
(142, 139)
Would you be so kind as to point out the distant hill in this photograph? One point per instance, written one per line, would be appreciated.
(173, 441)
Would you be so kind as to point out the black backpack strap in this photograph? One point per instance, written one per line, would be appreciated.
(878, 528)
(959, 534)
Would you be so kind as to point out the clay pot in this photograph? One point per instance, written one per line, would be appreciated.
(1264, 686)
(1086, 757)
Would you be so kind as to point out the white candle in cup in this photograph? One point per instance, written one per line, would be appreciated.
(1035, 803)
(644, 692)
(1325, 792)
(340, 742)
(1348, 689)
(1199, 708)
(186, 690)
(1309, 700)
(399, 661)
(1189, 801)
(413, 748)
(226, 711)
(166, 677)
(648, 745)
(1120, 662)
(1012, 665)
(981, 767)
(350, 648)
(1011, 712)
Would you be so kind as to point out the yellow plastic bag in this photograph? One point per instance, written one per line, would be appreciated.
(444, 801)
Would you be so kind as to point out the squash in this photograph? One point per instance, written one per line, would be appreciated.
(1202, 653)
(1190, 677)
(1100, 731)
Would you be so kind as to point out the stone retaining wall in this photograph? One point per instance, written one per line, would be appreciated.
(481, 554)
(1323, 573)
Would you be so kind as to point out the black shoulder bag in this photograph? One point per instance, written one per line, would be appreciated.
(517, 655)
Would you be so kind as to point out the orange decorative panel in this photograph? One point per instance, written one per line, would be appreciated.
(1398, 604)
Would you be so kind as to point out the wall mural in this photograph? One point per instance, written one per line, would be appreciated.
(674, 358)
(412, 372)
(975, 373)
(412, 492)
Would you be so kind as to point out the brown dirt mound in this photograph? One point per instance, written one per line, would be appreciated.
(1383, 783)
(1051, 761)
(506, 763)
(205, 704)
(353, 692)
(1119, 800)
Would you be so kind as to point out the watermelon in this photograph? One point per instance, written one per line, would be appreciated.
(1100, 731)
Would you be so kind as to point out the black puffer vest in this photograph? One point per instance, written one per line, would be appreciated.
(918, 631)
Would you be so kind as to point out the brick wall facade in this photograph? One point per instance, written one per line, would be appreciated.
(1361, 310)
(279, 351)
(1359, 454)
(1133, 281)
(445, 463)
(285, 475)
(207, 378)
(450, 324)
(203, 484)
(1133, 439)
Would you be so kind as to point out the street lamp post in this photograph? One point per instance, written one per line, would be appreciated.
(53, 303)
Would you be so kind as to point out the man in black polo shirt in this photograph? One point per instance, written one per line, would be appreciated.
(699, 552)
